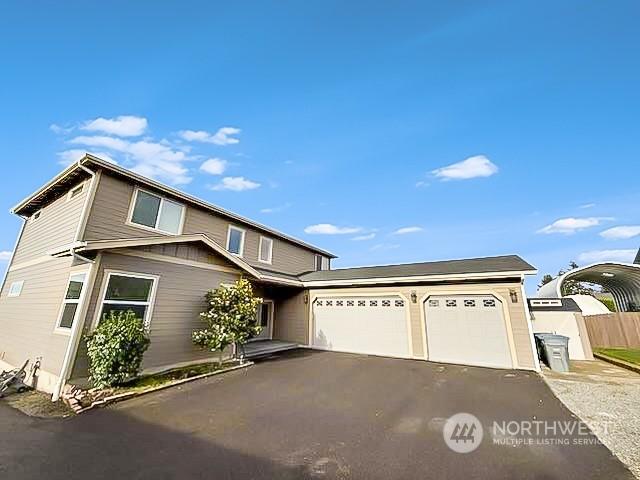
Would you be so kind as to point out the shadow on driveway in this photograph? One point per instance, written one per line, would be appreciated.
(305, 414)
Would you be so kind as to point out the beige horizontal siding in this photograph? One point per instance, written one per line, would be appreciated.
(27, 322)
(291, 319)
(179, 301)
(110, 209)
(55, 227)
(517, 315)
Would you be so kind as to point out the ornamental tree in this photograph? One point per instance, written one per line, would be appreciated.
(230, 317)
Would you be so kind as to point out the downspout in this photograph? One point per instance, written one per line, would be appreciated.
(76, 329)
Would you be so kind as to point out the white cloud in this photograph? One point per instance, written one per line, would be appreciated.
(122, 126)
(588, 205)
(571, 225)
(224, 136)
(383, 246)
(236, 184)
(214, 166)
(5, 255)
(406, 230)
(472, 167)
(593, 256)
(152, 159)
(329, 229)
(59, 130)
(279, 208)
(360, 238)
(422, 184)
(67, 157)
(621, 233)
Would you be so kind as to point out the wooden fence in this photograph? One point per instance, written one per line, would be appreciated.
(620, 329)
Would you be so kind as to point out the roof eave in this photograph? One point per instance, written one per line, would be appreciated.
(185, 196)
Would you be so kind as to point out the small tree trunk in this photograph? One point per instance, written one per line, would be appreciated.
(220, 358)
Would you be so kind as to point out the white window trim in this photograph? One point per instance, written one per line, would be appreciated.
(244, 234)
(270, 260)
(150, 303)
(322, 263)
(79, 302)
(11, 294)
(132, 206)
(80, 186)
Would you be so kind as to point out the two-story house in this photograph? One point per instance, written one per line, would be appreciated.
(99, 238)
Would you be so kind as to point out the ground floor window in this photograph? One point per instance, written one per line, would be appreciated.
(71, 301)
(128, 291)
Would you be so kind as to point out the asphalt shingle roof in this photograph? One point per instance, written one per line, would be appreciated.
(506, 263)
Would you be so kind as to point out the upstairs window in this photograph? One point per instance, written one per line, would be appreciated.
(265, 254)
(158, 213)
(15, 289)
(74, 192)
(235, 240)
(321, 263)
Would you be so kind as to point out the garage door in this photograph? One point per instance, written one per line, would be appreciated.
(467, 329)
(373, 325)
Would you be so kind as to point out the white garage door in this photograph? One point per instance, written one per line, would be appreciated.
(467, 329)
(373, 325)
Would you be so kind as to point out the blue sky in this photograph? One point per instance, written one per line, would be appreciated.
(339, 123)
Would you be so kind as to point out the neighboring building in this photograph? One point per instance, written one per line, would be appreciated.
(620, 279)
(563, 317)
(99, 238)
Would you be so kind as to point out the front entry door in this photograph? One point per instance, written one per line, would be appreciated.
(265, 320)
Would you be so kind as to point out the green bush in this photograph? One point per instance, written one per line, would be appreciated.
(609, 303)
(116, 348)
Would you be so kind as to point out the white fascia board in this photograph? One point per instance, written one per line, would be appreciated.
(417, 278)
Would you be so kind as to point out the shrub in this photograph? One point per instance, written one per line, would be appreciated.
(116, 348)
(230, 317)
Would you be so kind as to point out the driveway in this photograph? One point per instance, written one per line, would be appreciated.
(305, 415)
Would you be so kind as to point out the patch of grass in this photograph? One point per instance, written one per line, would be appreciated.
(38, 404)
(631, 355)
(151, 381)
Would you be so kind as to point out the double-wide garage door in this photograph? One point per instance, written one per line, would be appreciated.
(373, 325)
(464, 329)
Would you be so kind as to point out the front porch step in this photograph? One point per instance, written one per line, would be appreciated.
(261, 348)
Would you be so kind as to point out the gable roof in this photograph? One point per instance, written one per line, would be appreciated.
(75, 172)
(508, 265)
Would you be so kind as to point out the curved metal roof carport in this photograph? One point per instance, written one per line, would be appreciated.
(621, 279)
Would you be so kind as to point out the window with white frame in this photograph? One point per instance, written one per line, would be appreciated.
(74, 192)
(15, 289)
(71, 300)
(265, 253)
(321, 262)
(235, 240)
(156, 212)
(128, 291)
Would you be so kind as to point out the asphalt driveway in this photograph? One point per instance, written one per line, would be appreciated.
(306, 415)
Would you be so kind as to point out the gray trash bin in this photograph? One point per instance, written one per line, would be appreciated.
(556, 352)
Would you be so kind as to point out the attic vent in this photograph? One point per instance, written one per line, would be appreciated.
(546, 303)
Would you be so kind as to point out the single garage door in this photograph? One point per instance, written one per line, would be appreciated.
(373, 325)
(467, 329)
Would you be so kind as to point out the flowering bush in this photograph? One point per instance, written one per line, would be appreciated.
(115, 349)
(230, 317)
